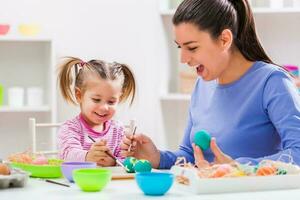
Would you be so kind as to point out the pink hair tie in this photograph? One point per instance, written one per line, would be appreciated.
(82, 63)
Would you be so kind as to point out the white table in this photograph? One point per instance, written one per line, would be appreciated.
(37, 189)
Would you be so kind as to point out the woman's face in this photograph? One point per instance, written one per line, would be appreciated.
(199, 50)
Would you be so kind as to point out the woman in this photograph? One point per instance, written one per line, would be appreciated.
(250, 106)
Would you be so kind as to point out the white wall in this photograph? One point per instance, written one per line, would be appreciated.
(128, 31)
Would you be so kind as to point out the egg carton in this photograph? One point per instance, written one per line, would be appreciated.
(17, 178)
(195, 184)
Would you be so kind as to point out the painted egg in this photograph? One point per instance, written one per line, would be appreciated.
(266, 171)
(202, 139)
(222, 170)
(129, 163)
(142, 166)
(4, 169)
(41, 160)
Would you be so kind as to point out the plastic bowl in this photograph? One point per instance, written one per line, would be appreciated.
(4, 28)
(52, 170)
(29, 29)
(68, 167)
(154, 183)
(93, 179)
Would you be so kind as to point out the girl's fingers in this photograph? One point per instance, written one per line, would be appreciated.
(98, 154)
(100, 143)
(100, 148)
(127, 153)
(125, 146)
(127, 140)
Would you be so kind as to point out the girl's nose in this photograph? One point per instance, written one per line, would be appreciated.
(103, 107)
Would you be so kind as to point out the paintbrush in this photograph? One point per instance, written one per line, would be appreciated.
(57, 183)
(110, 155)
(130, 146)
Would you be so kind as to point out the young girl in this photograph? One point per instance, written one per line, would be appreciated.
(98, 88)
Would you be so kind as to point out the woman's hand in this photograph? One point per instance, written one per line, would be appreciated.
(220, 157)
(142, 147)
(98, 154)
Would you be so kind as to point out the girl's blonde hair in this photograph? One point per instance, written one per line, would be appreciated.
(75, 68)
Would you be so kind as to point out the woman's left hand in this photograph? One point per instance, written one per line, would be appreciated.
(220, 157)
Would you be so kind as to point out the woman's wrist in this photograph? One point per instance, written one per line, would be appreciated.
(156, 159)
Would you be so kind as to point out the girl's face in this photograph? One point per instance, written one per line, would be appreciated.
(208, 56)
(99, 100)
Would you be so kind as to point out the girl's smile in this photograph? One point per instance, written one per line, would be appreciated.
(99, 100)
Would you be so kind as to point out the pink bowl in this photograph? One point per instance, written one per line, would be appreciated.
(4, 28)
(291, 67)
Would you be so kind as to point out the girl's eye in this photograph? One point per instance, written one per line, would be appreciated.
(96, 100)
(192, 49)
(111, 102)
(179, 47)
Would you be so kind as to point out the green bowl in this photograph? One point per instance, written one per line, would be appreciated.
(52, 170)
(92, 179)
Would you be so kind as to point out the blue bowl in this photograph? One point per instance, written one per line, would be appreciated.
(68, 167)
(154, 183)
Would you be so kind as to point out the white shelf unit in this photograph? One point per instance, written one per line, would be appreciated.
(170, 12)
(6, 109)
(278, 30)
(26, 62)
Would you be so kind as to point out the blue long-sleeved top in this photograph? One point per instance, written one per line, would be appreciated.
(256, 117)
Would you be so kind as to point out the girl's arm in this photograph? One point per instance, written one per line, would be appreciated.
(69, 145)
(118, 142)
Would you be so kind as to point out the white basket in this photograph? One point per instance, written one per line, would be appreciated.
(199, 185)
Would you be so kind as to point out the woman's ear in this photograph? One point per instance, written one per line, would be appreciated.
(78, 95)
(226, 39)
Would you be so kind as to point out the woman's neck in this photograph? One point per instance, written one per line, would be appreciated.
(237, 67)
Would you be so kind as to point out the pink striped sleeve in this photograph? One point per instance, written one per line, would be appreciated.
(70, 142)
(119, 136)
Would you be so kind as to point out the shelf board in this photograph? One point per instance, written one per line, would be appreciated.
(170, 12)
(167, 12)
(25, 109)
(20, 38)
(176, 97)
(278, 10)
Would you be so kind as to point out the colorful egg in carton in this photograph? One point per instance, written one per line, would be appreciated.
(17, 178)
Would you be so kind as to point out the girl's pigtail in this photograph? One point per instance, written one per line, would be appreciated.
(129, 85)
(65, 78)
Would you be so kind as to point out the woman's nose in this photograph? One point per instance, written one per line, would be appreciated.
(184, 57)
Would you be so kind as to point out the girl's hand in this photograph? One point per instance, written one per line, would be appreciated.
(98, 154)
(142, 147)
(220, 157)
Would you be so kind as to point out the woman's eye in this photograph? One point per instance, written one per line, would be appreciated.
(179, 47)
(192, 49)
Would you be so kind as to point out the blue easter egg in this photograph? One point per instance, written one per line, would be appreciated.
(202, 139)
(142, 166)
(129, 163)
